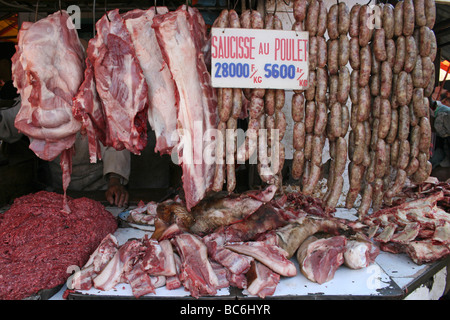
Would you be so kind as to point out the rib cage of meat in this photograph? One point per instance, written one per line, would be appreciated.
(162, 97)
(197, 112)
(114, 84)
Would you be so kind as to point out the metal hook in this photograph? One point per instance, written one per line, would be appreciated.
(156, 10)
(37, 10)
(60, 11)
(93, 20)
(106, 12)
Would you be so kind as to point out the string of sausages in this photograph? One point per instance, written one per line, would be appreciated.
(264, 112)
(384, 137)
(391, 79)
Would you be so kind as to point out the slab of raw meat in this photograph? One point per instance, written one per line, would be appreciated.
(360, 253)
(320, 258)
(120, 85)
(47, 70)
(118, 266)
(162, 111)
(262, 281)
(270, 255)
(197, 274)
(176, 33)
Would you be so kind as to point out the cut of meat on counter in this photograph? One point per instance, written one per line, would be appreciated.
(418, 227)
(176, 32)
(47, 70)
(38, 243)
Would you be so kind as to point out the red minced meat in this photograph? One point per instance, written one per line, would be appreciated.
(38, 242)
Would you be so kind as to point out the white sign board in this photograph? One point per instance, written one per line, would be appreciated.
(259, 58)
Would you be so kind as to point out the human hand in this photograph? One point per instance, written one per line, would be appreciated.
(116, 193)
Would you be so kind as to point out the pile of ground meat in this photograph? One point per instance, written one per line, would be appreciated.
(38, 242)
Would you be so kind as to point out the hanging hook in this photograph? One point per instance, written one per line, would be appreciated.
(156, 10)
(275, 9)
(93, 20)
(60, 11)
(37, 10)
(106, 12)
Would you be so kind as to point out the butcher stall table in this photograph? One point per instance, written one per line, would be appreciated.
(392, 276)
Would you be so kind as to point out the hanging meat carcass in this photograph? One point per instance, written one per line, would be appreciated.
(112, 101)
(178, 31)
(162, 111)
(47, 70)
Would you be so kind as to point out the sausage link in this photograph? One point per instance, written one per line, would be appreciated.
(398, 19)
(414, 139)
(365, 33)
(312, 17)
(430, 13)
(408, 17)
(356, 174)
(313, 179)
(401, 88)
(343, 18)
(298, 107)
(322, 50)
(354, 53)
(353, 29)
(333, 56)
(321, 85)
(377, 194)
(280, 123)
(299, 8)
(417, 74)
(269, 101)
(385, 118)
(393, 127)
(363, 103)
(365, 66)
(388, 20)
(391, 52)
(310, 114)
(310, 92)
(322, 19)
(366, 202)
(332, 21)
(320, 120)
(379, 44)
(399, 182)
(403, 154)
(336, 119)
(419, 107)
(410, 54)
(425, 135)
(298, 162)
(354, 86)
(336, 191)
(299, 136)
(400, 45)
(219, 174)
(313, 50)
(344, 50)
(386, 80)
(237, 103)
(343, 85)
(419, 10)
(227, 104)
(403, 122)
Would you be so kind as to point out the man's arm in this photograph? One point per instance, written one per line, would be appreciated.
(116, 169)
(8, 131)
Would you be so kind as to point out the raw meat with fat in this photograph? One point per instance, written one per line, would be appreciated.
(162, 97)
(197, 274)
(177, 32)
(120, 86)
(320, 258)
